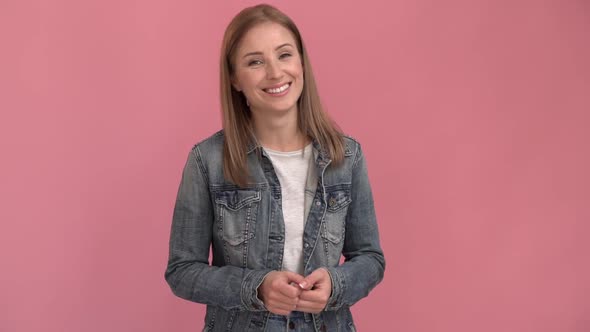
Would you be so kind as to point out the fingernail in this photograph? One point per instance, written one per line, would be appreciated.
(303, 284)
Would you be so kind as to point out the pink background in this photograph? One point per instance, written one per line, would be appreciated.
(473, 116)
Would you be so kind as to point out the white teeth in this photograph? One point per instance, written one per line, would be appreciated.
(278, 90)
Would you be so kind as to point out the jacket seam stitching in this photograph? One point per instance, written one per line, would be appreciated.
(203, 170)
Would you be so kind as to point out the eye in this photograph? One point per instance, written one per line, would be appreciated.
(284, 55)
(254, 63)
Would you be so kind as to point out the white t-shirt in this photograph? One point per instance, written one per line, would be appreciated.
(291, 169)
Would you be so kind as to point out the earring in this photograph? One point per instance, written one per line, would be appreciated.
(247, 102)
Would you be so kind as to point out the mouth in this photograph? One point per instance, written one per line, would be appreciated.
(283, 89)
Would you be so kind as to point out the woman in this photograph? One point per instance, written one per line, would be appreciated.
(279, 194)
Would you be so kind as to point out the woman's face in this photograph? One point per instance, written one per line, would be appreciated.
(268, 69)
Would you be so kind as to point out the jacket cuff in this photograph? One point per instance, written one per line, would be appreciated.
(338, 287)
(249, 292)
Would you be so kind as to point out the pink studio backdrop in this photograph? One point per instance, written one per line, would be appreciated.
(473, 115)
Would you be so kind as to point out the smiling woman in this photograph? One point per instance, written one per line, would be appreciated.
(271, 77)
(280, 194)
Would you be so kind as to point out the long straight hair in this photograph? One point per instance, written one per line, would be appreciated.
(236, 115)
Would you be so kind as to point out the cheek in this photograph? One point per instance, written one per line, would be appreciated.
(300, 73)
(248, 81)
(300, 76)
(297, 73)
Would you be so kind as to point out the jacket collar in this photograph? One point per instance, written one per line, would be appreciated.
(318, 150)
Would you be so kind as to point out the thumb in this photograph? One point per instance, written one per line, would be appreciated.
(293, 277)
(313, 278)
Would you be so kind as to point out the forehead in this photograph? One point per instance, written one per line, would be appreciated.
(265, 36)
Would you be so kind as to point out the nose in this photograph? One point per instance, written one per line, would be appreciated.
(273, 70)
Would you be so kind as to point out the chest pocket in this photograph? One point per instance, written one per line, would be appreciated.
(338, 200)
(237, 210)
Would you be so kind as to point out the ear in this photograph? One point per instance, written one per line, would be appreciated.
(235, 84)
(303, 68)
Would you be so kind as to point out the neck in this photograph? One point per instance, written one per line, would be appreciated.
(280, 133)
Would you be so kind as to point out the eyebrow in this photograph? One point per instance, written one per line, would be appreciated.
(257, 53)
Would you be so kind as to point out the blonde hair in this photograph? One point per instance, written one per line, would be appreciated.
(236, 116)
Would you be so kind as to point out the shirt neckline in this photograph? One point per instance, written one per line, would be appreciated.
(288, 153)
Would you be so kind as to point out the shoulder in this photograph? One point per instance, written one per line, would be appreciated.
(210, 144)
(351, 145)
(208, 152)
(353, 149)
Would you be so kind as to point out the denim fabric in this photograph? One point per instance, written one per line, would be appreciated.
(295, 322)
(244, 228)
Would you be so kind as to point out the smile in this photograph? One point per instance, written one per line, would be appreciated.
(278, 91)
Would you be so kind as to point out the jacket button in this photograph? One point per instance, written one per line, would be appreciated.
(332, 201)
(318, 203)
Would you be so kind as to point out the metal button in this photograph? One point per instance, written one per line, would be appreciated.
(332, 201)
(318, 203)
(306, 245)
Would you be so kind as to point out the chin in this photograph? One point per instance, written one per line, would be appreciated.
(281, 108)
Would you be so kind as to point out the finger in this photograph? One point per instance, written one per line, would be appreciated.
(309, 306)
(281, 306)
(293, 277)
(289, 290)
(275, 306)
(277, 297)
(315, 277)
(280, 311)
(319, 296)
(281, 284)
(310, 296)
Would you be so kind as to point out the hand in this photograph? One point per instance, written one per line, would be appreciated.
(280, 291)
(317, 288)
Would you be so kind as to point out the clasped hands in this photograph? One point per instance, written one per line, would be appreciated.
(284, 291)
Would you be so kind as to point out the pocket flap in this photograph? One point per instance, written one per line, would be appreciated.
(237, 199)
(338, 199)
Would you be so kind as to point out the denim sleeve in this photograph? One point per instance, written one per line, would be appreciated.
(188, 272)
(364, 263)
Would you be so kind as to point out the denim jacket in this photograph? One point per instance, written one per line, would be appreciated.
(245, 230)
